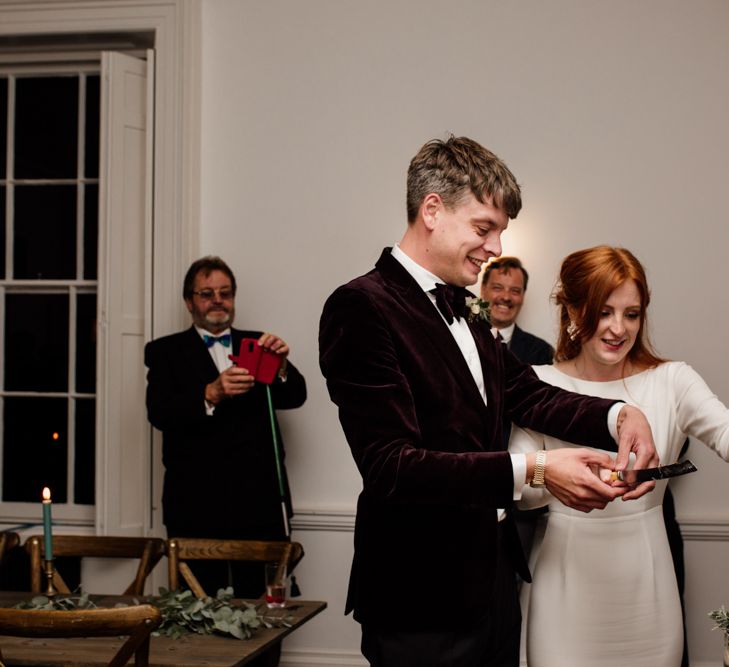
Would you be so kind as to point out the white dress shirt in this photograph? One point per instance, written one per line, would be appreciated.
(506, 333)
(219, 355)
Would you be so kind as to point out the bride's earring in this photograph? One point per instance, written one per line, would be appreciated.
(572, 330)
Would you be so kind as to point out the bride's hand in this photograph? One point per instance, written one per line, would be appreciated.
(568, 477)
(608, 475)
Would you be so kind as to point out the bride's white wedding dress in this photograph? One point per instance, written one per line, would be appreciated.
(604, 591)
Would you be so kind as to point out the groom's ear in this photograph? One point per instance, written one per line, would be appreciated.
(429, 209)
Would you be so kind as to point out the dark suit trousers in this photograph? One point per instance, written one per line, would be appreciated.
(492, 642)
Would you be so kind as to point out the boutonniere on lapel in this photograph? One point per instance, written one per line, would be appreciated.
(478, 310)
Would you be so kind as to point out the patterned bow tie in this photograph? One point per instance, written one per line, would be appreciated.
(451, 301)
(224, 340)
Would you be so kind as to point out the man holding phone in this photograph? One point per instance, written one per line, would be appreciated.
(221, 476)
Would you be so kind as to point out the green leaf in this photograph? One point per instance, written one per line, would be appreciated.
(721, 618)
(236, 631)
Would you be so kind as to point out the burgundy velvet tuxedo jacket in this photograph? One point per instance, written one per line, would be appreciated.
(429, 450)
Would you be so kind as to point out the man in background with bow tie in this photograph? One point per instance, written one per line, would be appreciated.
(220, 468)
(422, 392)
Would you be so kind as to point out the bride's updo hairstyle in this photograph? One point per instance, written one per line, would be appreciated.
(586, 280)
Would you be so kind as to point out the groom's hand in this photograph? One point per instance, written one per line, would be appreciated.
(569, 476)
(635, 435)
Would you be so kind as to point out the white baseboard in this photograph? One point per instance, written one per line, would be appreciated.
(694, 663)
(322, 658)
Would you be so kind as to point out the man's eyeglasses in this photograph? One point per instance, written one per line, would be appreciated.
(225, 294)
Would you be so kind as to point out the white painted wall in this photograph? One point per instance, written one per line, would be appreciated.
(614, 117)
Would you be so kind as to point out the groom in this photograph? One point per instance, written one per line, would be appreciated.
(422, 392)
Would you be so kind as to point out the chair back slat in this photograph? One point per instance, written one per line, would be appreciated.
(148, 550)
(191, 579)
(180, 549)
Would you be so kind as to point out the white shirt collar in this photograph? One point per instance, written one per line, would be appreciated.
(423, 277)
(506, 332)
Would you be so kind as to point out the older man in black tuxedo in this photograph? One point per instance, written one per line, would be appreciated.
(221, 478)
(422, 394)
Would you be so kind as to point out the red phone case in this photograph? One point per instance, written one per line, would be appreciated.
(268, 367)
(249, 355)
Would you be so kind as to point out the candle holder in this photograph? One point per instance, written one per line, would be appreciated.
(49, 570)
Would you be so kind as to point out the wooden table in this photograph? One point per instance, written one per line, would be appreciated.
(188, 651)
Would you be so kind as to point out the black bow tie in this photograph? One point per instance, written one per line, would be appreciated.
(451, 301)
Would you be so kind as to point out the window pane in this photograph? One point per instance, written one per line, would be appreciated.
(36, 342)
(86, 343)
(46, 127)
(45, 232)
(85, 453)
(3, 124)
(34, 452)
(2, 231)
(91, 231)
(92, 127)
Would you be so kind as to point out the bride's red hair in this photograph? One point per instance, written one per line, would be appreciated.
(586, 280)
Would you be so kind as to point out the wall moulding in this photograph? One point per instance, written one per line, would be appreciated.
(695, 529)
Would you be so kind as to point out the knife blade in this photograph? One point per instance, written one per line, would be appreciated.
(661, 472)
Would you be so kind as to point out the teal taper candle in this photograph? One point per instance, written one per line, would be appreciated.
(47, 534)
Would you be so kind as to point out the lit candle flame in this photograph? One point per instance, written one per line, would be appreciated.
(46, 494)
(55, 436)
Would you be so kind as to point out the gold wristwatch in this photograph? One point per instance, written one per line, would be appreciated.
(539, 466)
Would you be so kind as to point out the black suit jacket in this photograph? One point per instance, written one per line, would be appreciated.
(536, 352)
(530, 349)
(220, 472)
(429, 451)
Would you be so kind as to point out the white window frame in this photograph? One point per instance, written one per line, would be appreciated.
(17, 511)
(175, 200)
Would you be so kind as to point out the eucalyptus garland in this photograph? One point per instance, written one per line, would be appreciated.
(183, 613)
(721, 618)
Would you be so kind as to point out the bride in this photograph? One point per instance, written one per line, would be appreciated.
(604, 591)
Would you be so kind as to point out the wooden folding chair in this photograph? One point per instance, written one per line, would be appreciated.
(147, 549)
(135, 622)
(180, 549)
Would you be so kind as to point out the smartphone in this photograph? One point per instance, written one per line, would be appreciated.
(249, 355)
(268, 366)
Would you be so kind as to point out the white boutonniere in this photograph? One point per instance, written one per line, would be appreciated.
(478, 310)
